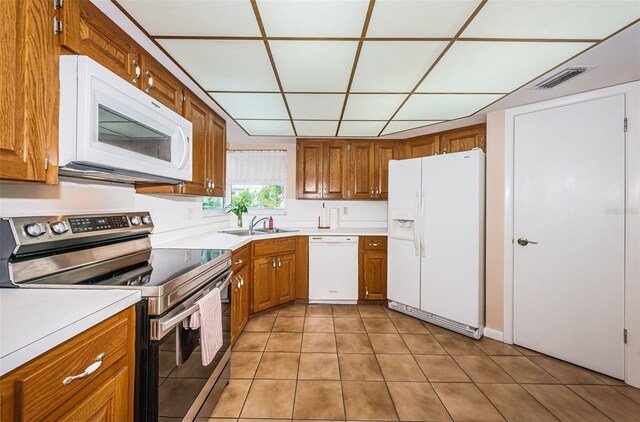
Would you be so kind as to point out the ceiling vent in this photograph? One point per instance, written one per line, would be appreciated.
(561, 77)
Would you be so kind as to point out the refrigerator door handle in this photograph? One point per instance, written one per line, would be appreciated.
(422, 225)
(416, 224)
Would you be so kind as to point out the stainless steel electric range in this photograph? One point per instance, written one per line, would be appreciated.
(113, 251)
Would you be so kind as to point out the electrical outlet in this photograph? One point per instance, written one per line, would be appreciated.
(189, 214)
(345, 210)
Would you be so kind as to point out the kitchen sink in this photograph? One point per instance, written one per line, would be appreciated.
(240, 232)
(275, 230)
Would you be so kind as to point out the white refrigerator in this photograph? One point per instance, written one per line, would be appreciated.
(436, 240)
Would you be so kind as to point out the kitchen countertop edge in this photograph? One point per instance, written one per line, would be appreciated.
(34, 347)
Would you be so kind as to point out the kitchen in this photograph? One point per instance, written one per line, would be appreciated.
(377, 265)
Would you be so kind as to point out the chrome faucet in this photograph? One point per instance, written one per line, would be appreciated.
(253, 223)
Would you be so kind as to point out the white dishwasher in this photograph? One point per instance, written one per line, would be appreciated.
(333, 269)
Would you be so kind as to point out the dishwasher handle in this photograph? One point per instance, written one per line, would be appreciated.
(331, 240)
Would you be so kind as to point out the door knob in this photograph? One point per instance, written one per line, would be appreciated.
(525, 242)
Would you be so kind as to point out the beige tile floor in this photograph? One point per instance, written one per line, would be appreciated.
(370, 363)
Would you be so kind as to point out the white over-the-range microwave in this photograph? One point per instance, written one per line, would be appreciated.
(111, 130)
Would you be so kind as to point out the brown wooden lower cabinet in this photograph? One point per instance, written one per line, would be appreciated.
(372, 268)
(273, 281)
(35, 390)
(240, 298)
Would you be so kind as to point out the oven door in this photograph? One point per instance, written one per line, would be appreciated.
(177, 392)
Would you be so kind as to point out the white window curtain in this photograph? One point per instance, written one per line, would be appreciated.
(266, 167)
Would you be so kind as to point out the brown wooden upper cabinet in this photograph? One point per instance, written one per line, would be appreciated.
(455, 140)
(335, 174)
(159, 83)
(29, 97)
(322, 169)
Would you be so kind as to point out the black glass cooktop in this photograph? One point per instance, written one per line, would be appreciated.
(161, 267)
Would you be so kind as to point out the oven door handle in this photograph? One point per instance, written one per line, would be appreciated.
(171, 322)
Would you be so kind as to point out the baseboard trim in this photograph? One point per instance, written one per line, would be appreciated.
(494, 334)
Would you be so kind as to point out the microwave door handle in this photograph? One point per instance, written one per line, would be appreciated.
(186, 147)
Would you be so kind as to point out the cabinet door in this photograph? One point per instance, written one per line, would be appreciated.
(464, 139)
(335, 175)
(264, 277)
(309, 169)
(159, 83)
(107, 403)
(362, 170)
(285, 278)
(236, 309)
(384, 152)
(374, 273)
(244, 303)
(423, 146)
(29, 97)
(197, 113)
(89, 32)
(217, 155)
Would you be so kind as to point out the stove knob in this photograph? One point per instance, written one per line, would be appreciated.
(146, 219)
(135, 220)
(35, 229)
(59, 227)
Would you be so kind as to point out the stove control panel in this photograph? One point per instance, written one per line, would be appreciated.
(33, 234)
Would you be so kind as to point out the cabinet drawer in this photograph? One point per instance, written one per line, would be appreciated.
(375, 243)
(240, 258)
(42, 387)
(274, 246)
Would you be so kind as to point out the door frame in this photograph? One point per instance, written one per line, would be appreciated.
(632, 216)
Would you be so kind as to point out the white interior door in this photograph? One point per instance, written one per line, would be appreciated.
(569, 197)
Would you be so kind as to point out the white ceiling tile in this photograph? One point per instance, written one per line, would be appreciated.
(443, 106)
(313, 18)
(224, 65)
(362, 128)
(398, 126)
(394, 66)
(419, 18)
(314, 65)
(315, 106)
(372, 106)
(252, 106)
(475, 66)
(585, 19)
(187, 17)
(316, 128)
(267, 127)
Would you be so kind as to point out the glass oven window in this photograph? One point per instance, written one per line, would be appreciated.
(121, 132)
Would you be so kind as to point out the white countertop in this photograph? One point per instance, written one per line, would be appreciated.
(33, 321)
(217, 240)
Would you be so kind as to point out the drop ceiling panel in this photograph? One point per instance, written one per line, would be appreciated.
(394, 66)
(316, 128)
(315, 106)
(194, 18)
(372, 106)
(367, 128)
(423, 19)
(252, 106)
(473, 66)
(313, 18)
(398, 126)
(443, 106)
(267, 127)
(314, 65)
(224, 65)
(585, 19)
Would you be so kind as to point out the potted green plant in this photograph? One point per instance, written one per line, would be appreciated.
(239, 205)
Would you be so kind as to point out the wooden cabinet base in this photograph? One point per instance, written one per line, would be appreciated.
(372, 268)
(35, 391)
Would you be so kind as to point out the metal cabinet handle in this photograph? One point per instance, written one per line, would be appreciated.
(238, 261)
(150, 79)
(273, 262)
(436, 152)
(525, 242)
(366, 291)
(138, 71)
(371, 194)
(90, 370)
(241, 281)
(279, 263)
(374, 244)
